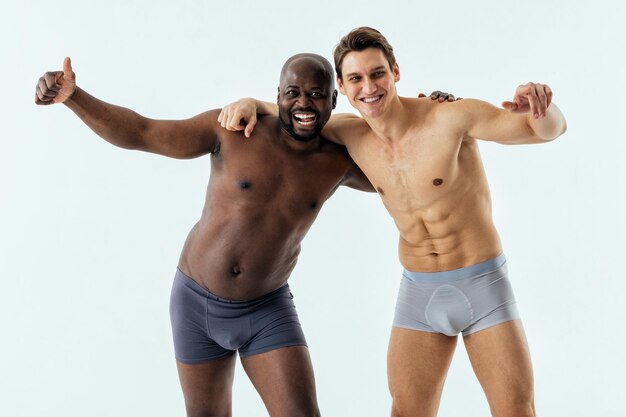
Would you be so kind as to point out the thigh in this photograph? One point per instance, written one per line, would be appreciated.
(501, 361)
(207, 387)
(284, 380)
(417, 365)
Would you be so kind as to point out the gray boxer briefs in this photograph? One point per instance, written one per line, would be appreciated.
(462, 300)
(207, 328)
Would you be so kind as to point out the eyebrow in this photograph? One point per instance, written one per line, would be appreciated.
(380, 67)
(297, 87)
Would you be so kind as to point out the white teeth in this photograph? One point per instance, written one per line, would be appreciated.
(305, 119)
(371, 99)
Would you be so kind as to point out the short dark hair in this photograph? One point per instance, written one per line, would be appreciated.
(358, 40)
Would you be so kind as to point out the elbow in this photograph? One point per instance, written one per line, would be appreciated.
(552, 134)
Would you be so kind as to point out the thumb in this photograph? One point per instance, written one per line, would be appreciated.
(250, 125)
(68, 73)
(509, 105)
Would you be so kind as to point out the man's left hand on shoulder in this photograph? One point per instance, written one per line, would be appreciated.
(440, 96)
(530, 97)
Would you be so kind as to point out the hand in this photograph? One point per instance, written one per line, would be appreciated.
(531, 97)
(240, 115)
(440, 96)
(57, 86)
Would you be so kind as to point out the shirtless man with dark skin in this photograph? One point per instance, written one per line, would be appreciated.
(246, 243)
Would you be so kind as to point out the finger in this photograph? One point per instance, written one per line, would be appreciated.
(42, 87)
(548, 91)
(533, 102)
(42, 102)
(459, 98)
(228, 119)
(219, 117)
(450, 97)
(236, 121)
(68, 73)
(250, 125)
(41, 95)
(509, 105)
(435, 95)
(543, 99)
(223, 117)
(50, 79)
(421, 95)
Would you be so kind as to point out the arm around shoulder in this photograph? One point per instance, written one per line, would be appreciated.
(355, 178)
(340, 127)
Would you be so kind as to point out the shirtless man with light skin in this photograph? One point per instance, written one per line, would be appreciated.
(423, 160)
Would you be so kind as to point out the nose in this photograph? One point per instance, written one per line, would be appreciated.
(369, 86)
(303, 100)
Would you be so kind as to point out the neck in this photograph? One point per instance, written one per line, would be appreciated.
(393, 123)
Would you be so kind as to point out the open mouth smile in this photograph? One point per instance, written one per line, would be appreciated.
(305, 118)
(371, 100)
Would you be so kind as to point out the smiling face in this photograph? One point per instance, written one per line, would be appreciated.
(368, 81)
(306, 96)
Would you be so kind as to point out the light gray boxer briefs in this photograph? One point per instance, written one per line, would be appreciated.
(462, 300)
(207, 328)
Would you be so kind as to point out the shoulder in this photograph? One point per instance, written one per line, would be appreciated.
(345, 128)
(460, 113)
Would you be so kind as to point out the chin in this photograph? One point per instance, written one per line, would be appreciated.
(305, 138)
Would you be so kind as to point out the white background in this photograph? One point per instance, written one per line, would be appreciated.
(90, 234)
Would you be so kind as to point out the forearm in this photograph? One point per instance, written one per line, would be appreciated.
(549, 127)
(267, 108)
(118, 125)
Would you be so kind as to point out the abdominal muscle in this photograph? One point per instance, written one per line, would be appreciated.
(427, 251)
(445, 229)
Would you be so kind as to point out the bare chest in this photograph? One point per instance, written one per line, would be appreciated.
(412, 173)
(274, 180)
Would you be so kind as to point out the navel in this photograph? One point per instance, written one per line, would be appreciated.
(245, 184)
(236, 270)
(313, 205)
(437, 181)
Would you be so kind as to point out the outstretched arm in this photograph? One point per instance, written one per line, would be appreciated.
(125, 128)
(530, 117)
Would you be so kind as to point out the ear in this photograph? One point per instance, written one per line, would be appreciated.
(334, 99)
(396, 72)
(340, 84)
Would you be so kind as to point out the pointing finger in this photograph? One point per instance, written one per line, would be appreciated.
(250, 126)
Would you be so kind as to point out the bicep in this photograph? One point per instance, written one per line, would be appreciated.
(487, 122)
(182, 139)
